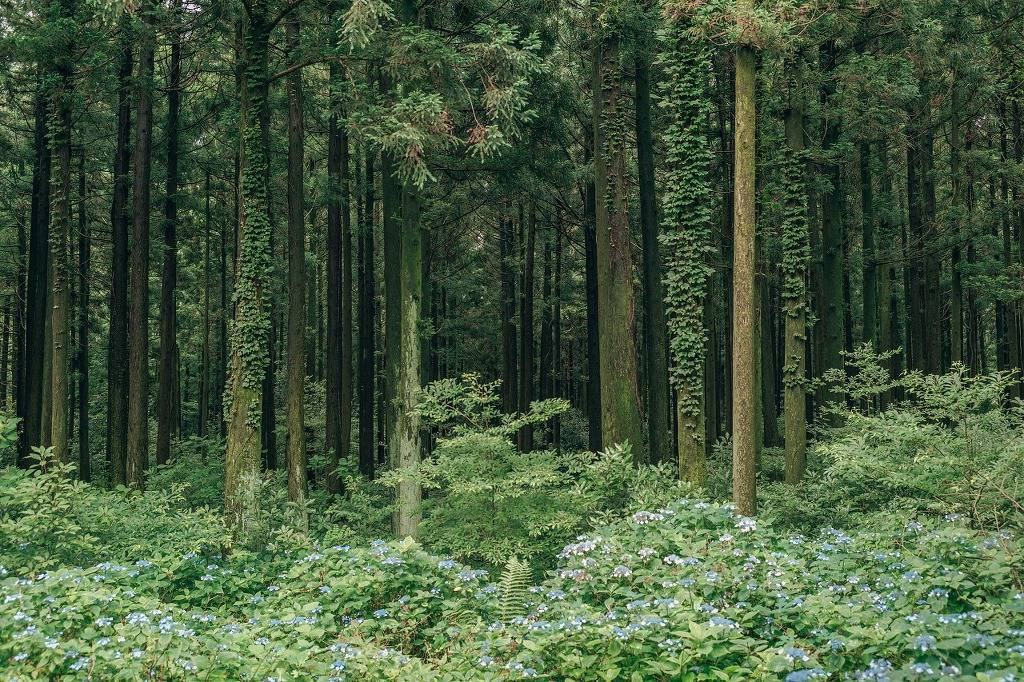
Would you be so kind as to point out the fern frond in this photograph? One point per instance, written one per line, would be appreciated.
(515, 581)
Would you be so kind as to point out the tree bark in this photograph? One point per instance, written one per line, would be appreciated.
(337, 206)
(796, 255)
(509, 350)
(869, 271)
(204, 361)
(367, 329)
(84, 263)
(37, 287)
(138, 304)
(659, 434)
(296, 344)
(526, 339)
(166, 393)
(744, 491)
(593, 392)
(620, 400)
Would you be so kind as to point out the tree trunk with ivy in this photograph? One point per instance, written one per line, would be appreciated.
(796, 254)
(687, 219)
(249, 350)
(620, 399)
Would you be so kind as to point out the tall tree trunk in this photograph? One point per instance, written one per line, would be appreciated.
(268, 405)
(367, 327)
(409, 494)
(659, 436)
(593, 314)
(889, 235)
(744, 490)
(204, 362)
(526, 341)
(18, 360)
(296, 344)
(166, 393)
(117, 349)
(249, 352)
(795, 258)
(933, 315)
(620, 400)
(546, 376)
(915, 242)
(60, 253)
(84, 262)
(509, 350)
(687, 227)
(558, 367)
(337, 206)
(5, 341)
(37, 288)
(956, 317)
(870, 268)
(345, 405)
(138, 304)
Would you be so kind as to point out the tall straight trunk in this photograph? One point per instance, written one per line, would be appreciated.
(956, 316)
(204, 361)
(84, 262)
(593, 315)
(932, 310)
(18, 352)
(408, 438)
(337, 206)
(620, 400)
(5, 365)
(659, 435)
(117, 344)
(60, 254)
(744, 488)
(889, 235)
(367, 327)
(37, 287)
(345, 405)
(915, 241)
(392, 242)
(249, 352)
(831, 307)
(1018, 219)
(545, 379)
(166, 393)
(268, 405)
(526, 342)
(509, 350)
(138, 304)
(869, 271)
(558, 368)
(222, 335)
(296, 344)
(796, 256)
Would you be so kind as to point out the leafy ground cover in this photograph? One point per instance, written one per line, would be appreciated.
(688, 592)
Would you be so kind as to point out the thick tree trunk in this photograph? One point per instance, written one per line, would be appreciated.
(60, 254)
(869, 270)
(509, 350)
(932, 339)
(526, 340)
(620, 400)
(367, 325)
(249, 353)
(659, 433)
(117, 350)
(37, 289)
(744, 490)
(166, 393)
(409, 494)
(295, 391)
(593, 392)
(5, 342)
(796, 255)
(138, 304)
(887, 310)
(204, 361)
(337, 206)
(956, 316)
(84, 262)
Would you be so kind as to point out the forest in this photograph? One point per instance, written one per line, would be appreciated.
(449, 340)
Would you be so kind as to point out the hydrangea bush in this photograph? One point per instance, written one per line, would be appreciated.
(687, 592)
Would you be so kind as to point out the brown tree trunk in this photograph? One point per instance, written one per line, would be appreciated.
(84, 262)
(138, 305)
(526, 339)
(166, 394)
(367, 328)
